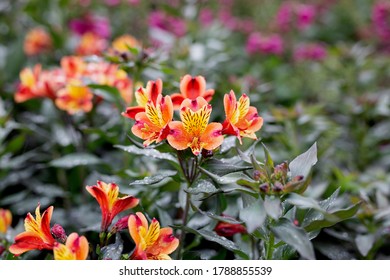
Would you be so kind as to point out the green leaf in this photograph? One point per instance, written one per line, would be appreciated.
(364, 243)
(269, 163)
(113, 251)
(149, 153)
(273, 207)
(336, 217)
(163, 174)
(253, 215)
(223, 241)
(76, 159)
(108, 93)
(303, 202)
(202, 186)
(301, 165)
(221, 168)
(295, 237)
(226, 179)
(227, 144)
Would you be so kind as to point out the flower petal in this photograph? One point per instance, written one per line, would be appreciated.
(212, 136)
(192, 87)
(178, 138)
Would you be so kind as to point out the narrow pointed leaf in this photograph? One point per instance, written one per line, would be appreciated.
(163, 174)
(253, 215)
(302, 164)
(295, 237)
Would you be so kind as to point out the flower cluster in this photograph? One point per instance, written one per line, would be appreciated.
(277, 181)
(67, 85)
(154, 116)
(151, 241)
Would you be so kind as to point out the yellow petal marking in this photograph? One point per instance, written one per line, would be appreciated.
(195, 123)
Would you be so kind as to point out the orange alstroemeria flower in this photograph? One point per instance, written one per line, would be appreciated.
(91, 44)
(75, 97)
(242, 120)
(152, 125)
(194, 131)
(110, 201)
(75, 248)
(73, 66)
(35, 83)
(5, 220)
(37, 235)
(122, 43)
(37, 41)
(191, 88)
(143, 95)
(151, 241)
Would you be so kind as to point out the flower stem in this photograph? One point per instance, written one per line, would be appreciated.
(184, 223)
(270, 246)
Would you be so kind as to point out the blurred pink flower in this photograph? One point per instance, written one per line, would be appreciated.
(206, 16)
(310, 51)
(258, 43)
(284, 16)
(381, 20)
(305, 15)
(294, 15)
(91, 24)
(227, 19)
(163, 21)
(112, 2)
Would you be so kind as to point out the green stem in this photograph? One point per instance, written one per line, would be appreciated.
(270, 246)
(184, 223)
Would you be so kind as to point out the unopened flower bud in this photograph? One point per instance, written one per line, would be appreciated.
(264, 188)
(207, 153)
(58, 233)
(256, 175)
(297, 178)
(122, 223)
(280, 171)
(277, 187)
(228, 230)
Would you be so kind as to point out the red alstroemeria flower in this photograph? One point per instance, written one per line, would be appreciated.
(242, 120)
(75, 248)
(5, 220)
(152, 125)
(228, 230)
(110, 201)
(194, 131)
(191, 88)
(37, 234)
(151, 241)
(143, 95)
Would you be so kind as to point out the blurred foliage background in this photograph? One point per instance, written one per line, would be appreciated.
(318, 71)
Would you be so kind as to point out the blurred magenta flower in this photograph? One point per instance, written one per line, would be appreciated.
(112, 2)
(258, 43)
(284, 16)
(171, 24)
(305, 15)
(206, 16)
(90, 23)
(381, 20)
(295, 16)
(310, 51)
